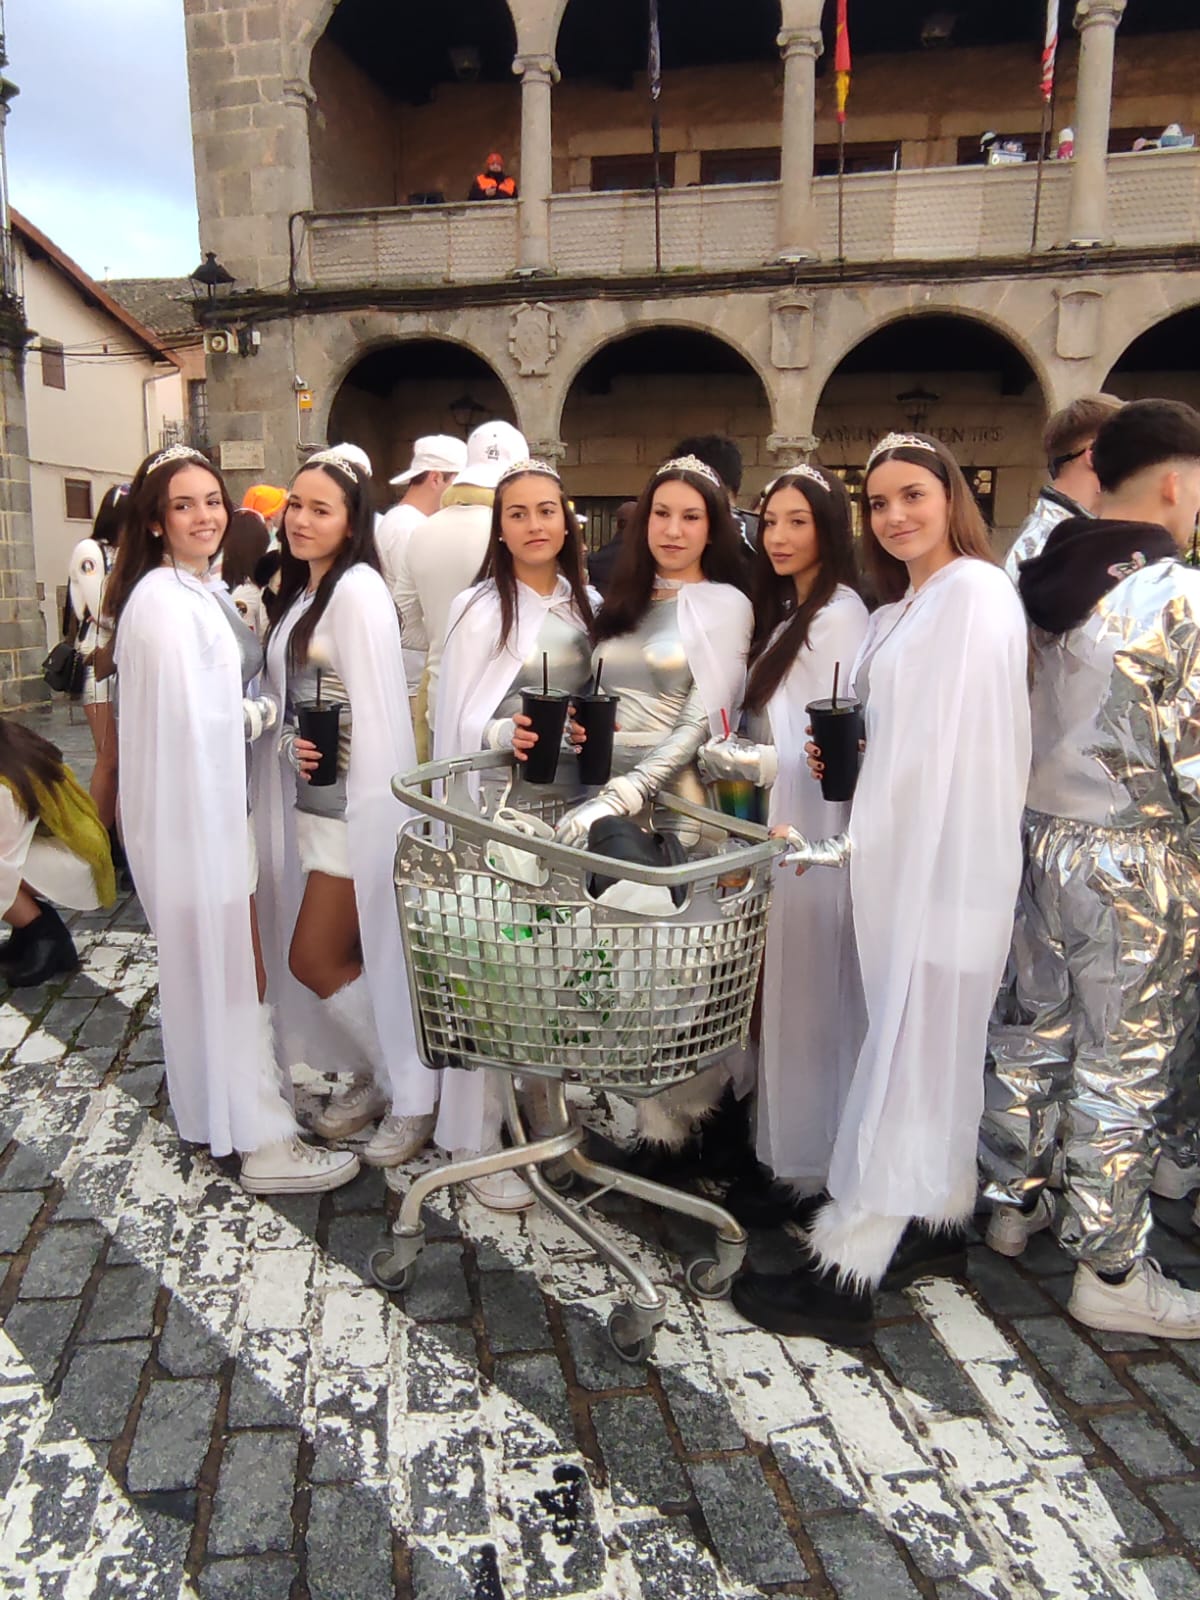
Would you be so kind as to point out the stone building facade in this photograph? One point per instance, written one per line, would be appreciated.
(801, 314)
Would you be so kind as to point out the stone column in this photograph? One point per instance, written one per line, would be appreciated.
(538, 74)
(22, 629)
(797, 221)
(1097, 22)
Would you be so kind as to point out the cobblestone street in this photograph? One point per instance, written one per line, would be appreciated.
(201, 1394)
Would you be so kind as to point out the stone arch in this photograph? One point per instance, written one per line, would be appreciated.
(1160, 359)
(307, 21)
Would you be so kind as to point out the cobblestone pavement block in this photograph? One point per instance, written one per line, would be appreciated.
(349, 1543)
(94, 1191)
(817, 1474)
(441, 1577)
(268, 1381)
(99, 1388)
(1142, 1447)
(637, 1451)
(920, 1363)
(1138, 1523)
(597, 1364)
(440, 1370)
(514, 1313)
(351, 1240)
(1175, 1392)
(17, 1211)
(144, 1083)
(62, 1262)
(40, 1330)
(27, 1168)
(351, 1427)
(703, 1415)
(1080, 1373)
(248, 1578)
(439, 1292)
(561, 1547)
(1181, 1502)
(745, 1522)
(1172, 1578)
(536, 1383)
(252, 1512)
(859, 1560)
(123, 1306)
(173, 1434)
(670, 1564)
(446, 1477)
(58, 1489)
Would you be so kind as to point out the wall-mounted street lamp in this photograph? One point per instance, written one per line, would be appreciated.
(917, 403)
(465, 410)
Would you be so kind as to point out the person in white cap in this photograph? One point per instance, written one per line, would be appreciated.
(436, 461)
(444, 554)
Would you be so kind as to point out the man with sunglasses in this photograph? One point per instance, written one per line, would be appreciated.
(1074, 489)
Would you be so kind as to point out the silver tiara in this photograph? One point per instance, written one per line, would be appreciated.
(689, 464)
(800, 470)
(901, 441)
(530, 464)
(176, 452)
(334, 458)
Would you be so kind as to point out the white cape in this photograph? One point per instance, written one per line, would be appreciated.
(715, 623)
(183, 809)
(360, 636)
(935, 831)
(813, 1018)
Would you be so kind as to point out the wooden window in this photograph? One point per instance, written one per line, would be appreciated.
(198, 412)
(739, 166)
(54, 365)
(632, 172)
(78, 492)
(878, 155)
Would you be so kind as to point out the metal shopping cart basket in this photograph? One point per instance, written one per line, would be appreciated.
(514, 964)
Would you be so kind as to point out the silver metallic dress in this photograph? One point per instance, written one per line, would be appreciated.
(565, 647)
(322, 800)
(1104, 950)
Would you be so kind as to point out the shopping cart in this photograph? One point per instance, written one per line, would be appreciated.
(514, 963)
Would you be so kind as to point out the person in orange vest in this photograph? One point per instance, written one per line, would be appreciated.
(493, 183)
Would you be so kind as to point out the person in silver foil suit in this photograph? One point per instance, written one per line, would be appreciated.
(1105, 935)
(1073, 490)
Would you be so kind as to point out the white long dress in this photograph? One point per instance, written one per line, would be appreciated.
(183, 803)
(935, 835)
(359, 636)
(813, 1019)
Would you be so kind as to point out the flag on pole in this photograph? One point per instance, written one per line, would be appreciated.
(655, 63)
(1049, 50)
(841, 60)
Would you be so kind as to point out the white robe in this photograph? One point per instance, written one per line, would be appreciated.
(813, 1019)
(715, 623)
(183, 807)
(935, 830)
(359, 635)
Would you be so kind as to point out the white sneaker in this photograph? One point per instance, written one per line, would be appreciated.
(1173, 1182)
(348, 1110)
(502, 1191)
(292, 1167)
(1010, 1229)
(398, 1139)
(1147, 1302)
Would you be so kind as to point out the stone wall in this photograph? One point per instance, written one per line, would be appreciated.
(22, 633)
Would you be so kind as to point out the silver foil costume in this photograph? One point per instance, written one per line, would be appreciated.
(1104, 949)
(321, 800)
(1051, 508)
(568, 662)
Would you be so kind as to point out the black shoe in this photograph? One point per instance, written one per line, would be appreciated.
(49, 951)
(758, 1199)
(119, 861)
(661, 1163)
(807, 1303)
(726, 1140)
(925, 1252)
(13, 947)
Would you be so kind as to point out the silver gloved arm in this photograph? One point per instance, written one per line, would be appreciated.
(287, 745)
(738, 758)
(258, 716)
(627, 795)
(498, 734)
(834, 852)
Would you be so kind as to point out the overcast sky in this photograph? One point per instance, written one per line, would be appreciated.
(99, 138)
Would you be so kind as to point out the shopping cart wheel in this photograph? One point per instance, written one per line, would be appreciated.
(625, 1339)
(560, 1177)
(393, 1282)
(698, 1275)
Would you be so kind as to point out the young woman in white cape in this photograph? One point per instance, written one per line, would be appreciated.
(185, 662)
(336, 961)
(530, 601)
(673, 636)
(934, 854)
(809, 622)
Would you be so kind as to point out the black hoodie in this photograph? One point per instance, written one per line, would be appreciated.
(1083, 559)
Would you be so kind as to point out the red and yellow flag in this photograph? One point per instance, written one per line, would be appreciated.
(841, 60)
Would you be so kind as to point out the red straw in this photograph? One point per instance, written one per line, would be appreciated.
(725, 721)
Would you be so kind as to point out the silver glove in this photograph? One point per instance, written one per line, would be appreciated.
(739, 759)
(498, 735)
(804, 852)
(620, 798)
(259, 715)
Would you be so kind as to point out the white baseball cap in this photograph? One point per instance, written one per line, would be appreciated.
(491, 450)
(355, 453)
(436, 452)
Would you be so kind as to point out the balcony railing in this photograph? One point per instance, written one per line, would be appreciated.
(933, 213)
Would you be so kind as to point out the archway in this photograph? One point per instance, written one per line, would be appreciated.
(409, 101)
(638, 396)
(1161, 362)
(951, 376)
(398, 391)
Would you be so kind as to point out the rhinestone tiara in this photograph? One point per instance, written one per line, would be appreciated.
(901, 441)
(800, 470)
(334, 458)
(177, 452)
(531, 464)
(689, 464)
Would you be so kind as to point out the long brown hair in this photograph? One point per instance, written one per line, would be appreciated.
(633, 577)
(141, 551)
(244, 546)
(25, 759)
(969, 535)
(498, 562)
(774, 648)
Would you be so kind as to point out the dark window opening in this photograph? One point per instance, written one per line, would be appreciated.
(739, 166)
(879, 155)
(632, 172)
(78, 495)
(197, 397)
(54, 365)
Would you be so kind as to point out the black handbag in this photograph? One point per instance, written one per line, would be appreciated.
(64, 669)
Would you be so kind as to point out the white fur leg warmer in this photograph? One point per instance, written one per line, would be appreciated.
(262, 1112)
(860, 1244)
(670, 1117)
(351, 1011)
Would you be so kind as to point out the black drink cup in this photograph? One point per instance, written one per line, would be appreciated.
(548, 714)
(837, 730)
(596, 714)
(321, 725)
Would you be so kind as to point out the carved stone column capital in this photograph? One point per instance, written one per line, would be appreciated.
(1099, 13)
(788, 447)
(536, 69)
(800, 42)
